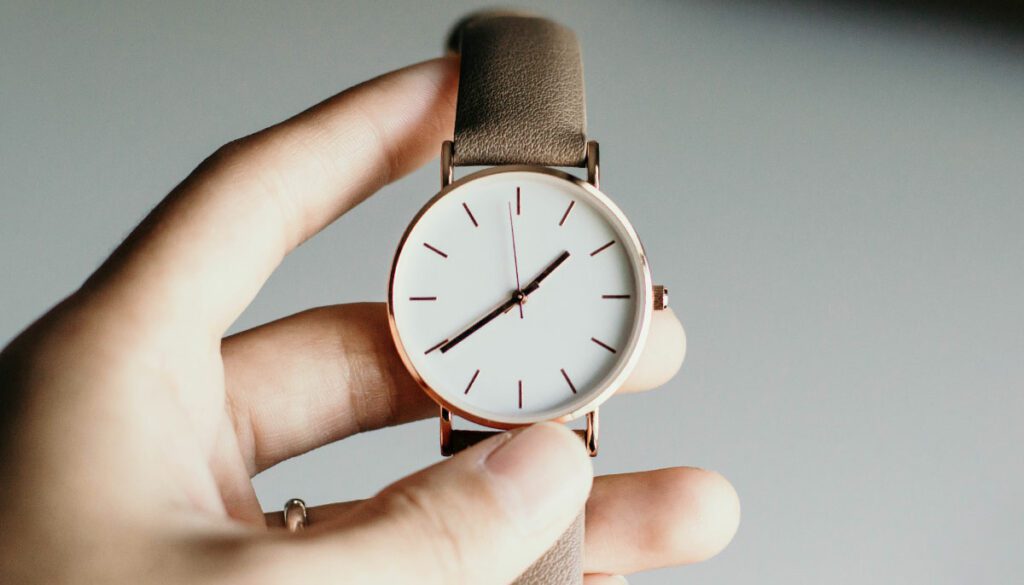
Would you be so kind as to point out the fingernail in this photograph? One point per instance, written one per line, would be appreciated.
(543, 475)
(621, 579)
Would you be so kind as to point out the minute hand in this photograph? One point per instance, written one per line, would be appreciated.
(535, 283)
(502, 308)
(518, 298)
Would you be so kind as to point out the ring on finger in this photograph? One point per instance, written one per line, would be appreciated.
(295, 518)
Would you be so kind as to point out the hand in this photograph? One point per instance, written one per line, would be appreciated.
(515, 254)
(129, 429)
(535, 283)
(518, 298)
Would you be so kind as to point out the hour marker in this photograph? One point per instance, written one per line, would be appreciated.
(519, 202)
(422, 298)
(470, 213)
(614, 296)
(603, 344)
(566, 214)
(435, 347)
(520, 393)
(568, 381)
(602, 248)
(471, 380)
(433, 249)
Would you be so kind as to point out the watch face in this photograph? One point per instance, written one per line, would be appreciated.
(520, 294)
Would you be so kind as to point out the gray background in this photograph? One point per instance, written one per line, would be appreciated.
(833, 195)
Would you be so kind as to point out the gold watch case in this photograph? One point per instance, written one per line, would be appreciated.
(651, 296)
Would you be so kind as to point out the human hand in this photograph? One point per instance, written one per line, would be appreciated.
(130, 428)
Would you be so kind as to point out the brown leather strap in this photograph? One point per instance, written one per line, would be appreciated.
(562, 564)
(521, 98)
(464, 439)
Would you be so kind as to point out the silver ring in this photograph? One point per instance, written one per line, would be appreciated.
(295, 518)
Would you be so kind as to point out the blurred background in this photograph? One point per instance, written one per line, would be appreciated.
(833, 192)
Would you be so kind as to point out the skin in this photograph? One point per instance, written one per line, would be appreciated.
(130, 427)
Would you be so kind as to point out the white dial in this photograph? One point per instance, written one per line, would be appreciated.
(519, 295)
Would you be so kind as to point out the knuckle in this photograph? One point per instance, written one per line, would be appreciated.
(247, 160)
(254, 163)
(375, 140)
(227, 153)
(231, 163)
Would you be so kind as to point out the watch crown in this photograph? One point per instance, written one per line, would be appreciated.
(660, 297)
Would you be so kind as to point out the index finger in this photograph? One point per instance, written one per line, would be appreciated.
(221, 232)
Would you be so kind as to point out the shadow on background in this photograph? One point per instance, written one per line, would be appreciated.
(986, 15)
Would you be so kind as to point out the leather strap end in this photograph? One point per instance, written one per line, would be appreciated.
(521, 93)
(562, 564)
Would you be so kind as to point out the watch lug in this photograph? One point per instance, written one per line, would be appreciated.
(593, 432)
(446, 431)
(593, 164)
(447, 168)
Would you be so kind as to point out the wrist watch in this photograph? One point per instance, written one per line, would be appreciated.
(520, 293)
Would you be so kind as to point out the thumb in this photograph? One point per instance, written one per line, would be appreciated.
(482, 517)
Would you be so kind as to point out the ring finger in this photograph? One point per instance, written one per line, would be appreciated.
(635, 521)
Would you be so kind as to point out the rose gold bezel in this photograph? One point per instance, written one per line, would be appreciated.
(644, 293)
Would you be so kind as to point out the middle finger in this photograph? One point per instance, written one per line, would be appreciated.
(321, 375)
(635, 521)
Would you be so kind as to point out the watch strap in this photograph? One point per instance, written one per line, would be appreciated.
(521, 98)
(464, 439)
(562, 564)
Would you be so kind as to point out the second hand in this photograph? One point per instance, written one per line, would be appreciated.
(515, 255)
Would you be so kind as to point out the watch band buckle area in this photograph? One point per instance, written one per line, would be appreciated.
(455, 440)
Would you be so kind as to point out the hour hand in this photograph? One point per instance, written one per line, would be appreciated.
(535, 283)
